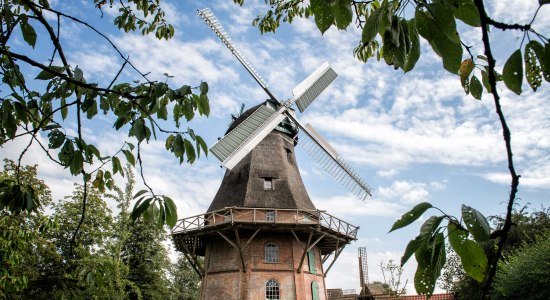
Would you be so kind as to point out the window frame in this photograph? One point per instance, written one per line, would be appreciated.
(272, 290)
(271, 253)
(268, 184)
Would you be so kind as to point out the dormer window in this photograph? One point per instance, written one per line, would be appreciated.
(270, 215)
(268, 183)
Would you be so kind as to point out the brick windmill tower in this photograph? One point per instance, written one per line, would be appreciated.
(262, 237)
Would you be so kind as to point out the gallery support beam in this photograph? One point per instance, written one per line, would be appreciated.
(236, 246)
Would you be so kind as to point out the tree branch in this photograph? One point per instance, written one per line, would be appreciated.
(485, 22)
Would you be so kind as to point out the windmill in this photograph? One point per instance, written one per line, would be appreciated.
(238, 142)
(262, 237)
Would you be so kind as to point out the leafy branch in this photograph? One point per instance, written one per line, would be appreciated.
(26, 112)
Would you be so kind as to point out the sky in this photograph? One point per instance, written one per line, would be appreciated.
(413, 137)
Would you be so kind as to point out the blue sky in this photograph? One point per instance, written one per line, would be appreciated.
(414, 137)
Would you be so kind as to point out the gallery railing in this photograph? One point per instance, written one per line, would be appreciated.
(265, 216)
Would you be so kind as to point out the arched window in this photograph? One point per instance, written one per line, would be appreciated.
(271, 253)
(272, 290)
(314, 290)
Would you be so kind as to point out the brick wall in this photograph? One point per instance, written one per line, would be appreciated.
(225, 280)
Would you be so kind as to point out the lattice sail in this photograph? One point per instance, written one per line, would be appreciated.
(208, 16)
(309, 89)
(321, 151)
(235, 145)
(363, 266)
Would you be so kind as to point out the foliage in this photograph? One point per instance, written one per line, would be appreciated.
(21, 240)
(525, 273)
(528, 228)
(147, 260)
(452, 271)
(392, 278)
(50, 96)
(185, 281)
(111, 255)
(391, 30)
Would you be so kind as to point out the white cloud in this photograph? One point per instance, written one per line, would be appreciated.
(349, 206)
(387, 173)
(406, 192)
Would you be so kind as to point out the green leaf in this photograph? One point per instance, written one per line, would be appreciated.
(411, 248)
(56, 138)
(201, 144)
(322, 13)
(171, 212)
(370, 29)
(64, 109)
(184, 90)
(162, 112)
(169, 142)
(189, 150)
(203, 88)
(534, 62)
(139, 208)
(411, 216)
(162, 215)
(472, 256)
(203, 105)
(178, 148)
(414, 51)
(45, 75)
(467, 12)
(466, 68)
(437, 25)
(129, 157)
(78, 75)
(76, 163)
(98, 181)
(117, 167)
(66, 154)
(343, 14)
(140, 193)
(430, 226)
(476, 223)
(29, 35)
(430, 257)
(475, 88)
(139, 130)
(512, 74)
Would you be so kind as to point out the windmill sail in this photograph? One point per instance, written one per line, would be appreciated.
(235, 145)
(242, 139)
(208, 16)
(321, 151)
(309, 89)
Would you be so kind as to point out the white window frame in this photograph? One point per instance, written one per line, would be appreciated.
(271, 253)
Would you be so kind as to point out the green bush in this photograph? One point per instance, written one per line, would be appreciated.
(525, 273)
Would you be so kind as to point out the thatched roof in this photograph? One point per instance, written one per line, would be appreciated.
(274, 158)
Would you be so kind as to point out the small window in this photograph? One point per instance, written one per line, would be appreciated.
(270, 215)
(268, 183)
(311, 261)
(271, 253)
(272, 290)
(227, 217)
